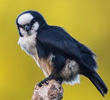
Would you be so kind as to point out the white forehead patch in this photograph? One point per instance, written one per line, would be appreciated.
(25, 19)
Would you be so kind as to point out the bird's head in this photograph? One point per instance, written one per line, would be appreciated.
(30, 22)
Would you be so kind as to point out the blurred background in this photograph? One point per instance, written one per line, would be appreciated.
(86, 20)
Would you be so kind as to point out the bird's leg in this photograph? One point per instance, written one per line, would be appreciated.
(51, 76)
(45, 80)
(48, 78)
(59, 79)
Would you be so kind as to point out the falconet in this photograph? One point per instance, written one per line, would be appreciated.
(59, 55)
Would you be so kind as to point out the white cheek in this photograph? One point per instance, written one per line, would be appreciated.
(35, 26)
(23, 32)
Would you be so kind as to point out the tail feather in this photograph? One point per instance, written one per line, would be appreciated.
(98, 82)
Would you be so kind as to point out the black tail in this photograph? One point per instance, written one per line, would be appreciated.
(98, 82)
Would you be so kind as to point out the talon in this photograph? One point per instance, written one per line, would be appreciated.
(59, 80)
(40, 84)
(46, 82)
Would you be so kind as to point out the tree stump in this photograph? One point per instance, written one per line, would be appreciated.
(51, 91)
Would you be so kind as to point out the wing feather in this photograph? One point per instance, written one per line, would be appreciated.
(59, 40)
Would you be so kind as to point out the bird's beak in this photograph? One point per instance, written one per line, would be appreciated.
(27, 28)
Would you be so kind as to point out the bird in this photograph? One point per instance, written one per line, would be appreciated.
(56, 52)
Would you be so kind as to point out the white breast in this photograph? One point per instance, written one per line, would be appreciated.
(28, 44)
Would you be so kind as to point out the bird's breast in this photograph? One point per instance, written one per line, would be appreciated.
(69, 71)
(28, 44)
(45, 64)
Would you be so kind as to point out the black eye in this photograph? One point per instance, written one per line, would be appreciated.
(34, 20)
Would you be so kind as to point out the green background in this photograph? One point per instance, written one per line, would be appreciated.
(86, 20)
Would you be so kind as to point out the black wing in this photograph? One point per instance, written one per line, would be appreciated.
(59, 40)
(87, 55)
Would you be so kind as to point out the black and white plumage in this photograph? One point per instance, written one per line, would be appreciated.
(59, 55)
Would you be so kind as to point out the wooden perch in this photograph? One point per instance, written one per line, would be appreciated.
(52, 91)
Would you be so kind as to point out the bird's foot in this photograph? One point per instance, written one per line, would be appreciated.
(45, 81)
(59, 80)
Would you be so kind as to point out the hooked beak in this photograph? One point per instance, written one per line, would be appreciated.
(27, 28)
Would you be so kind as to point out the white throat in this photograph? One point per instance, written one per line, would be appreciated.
(28, 43)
